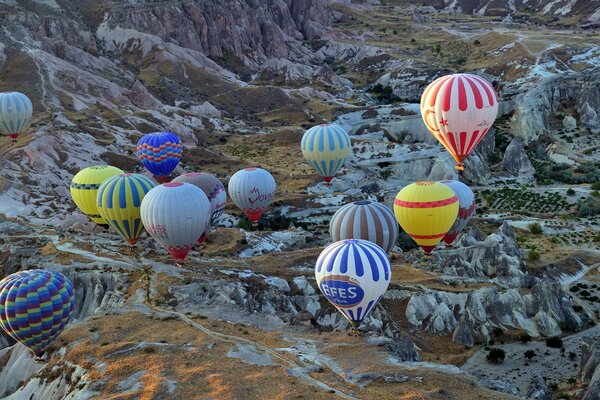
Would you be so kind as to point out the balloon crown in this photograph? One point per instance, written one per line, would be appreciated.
(362, 202)
(172, 184)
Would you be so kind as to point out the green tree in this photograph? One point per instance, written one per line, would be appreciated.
(496, 355)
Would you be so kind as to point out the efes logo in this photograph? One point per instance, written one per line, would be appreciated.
(342, 290)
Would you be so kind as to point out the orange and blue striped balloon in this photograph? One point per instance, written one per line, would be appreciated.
(159, 152)
(35, 306)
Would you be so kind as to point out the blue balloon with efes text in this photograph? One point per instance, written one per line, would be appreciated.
(353, 275)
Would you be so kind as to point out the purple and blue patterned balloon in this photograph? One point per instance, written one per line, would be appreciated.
(159, 152)
(35, 306)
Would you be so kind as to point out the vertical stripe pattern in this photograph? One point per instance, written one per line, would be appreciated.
(326, 147)
(353, 275)
(466, 209)
(15, 113)
(35, 306)
(176, 214)
(426, 211)
(252, 190)
(366, 220)
(160, 153)
(119, 199)
(84, 189)
(459, 110)
(212, 188)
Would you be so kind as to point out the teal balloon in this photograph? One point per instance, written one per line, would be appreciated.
(35, 306)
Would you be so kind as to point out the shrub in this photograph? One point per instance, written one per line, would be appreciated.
(496, 356)
(554, 342)
(524, 338)
(535, 228)
(596, 186)
(533, 256)
(570, 192)
(476, 42)
(529, 354)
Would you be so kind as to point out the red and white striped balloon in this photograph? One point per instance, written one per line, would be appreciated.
(459, 109)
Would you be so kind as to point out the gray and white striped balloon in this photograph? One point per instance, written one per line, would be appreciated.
(365, 220)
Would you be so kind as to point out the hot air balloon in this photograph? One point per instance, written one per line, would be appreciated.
(15, 113)
(35, 306)
(326, 147)
(119, 199)
(160, 153)
(365, 220)
(84, 188)
(459, 110)
(466, 209)
(426, 211)
(353, 274)
(213, 189)
(252, 190)
(175, 214)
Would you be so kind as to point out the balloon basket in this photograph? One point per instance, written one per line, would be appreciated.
(460, 166)
(254, 225)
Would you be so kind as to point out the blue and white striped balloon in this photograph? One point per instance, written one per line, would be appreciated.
(15, 113)
(353, 275)
(326, 147)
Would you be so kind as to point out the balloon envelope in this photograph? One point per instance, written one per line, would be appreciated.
(466, 209)
(212, 188)
(326, 147)
(365, 220)
(426, 211)
(176, 214)
(35, 306)
(84, 189)
(353, 275)
(119, 199)
(459, 110)
(15, 113)
(252, 190)
(159, 152)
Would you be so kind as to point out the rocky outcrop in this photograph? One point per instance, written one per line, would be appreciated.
(497, 255)
(588, 118)
(539, 390)
(589, 370)
(141, 97)
(516, 161)
(539, 312)
(404, 349)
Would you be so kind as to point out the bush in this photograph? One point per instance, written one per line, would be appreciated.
(596, 186)
(570, 192)
(535, 228)
(529, 354)
(533, 256)
(496, 356)
(554, 342)
(525, 338)
(476, 42)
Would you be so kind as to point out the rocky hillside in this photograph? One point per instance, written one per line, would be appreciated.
(239, 82)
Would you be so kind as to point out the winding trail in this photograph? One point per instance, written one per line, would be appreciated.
(286, 362)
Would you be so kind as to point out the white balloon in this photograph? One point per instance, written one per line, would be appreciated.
(212, 188)
(252, 190)
(466, 210)
(353, 274)
(176, 214)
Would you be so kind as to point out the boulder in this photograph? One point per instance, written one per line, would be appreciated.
(569, 123)
(141, 97)
(516, 161)
(538, 389)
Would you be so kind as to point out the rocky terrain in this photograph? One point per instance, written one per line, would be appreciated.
(239, 82)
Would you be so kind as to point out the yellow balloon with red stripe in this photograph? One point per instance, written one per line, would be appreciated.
(426, 211)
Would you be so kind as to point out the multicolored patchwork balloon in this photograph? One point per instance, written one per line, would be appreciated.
(466, 209)
(160, 153)
(353, 275)
(326, 147)
(365, 220)
(459, 109)
(84, 189)
(35, 306)
(119, 199)
(252, 190)
(175, 214)
(15, 113)
(426, 211)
